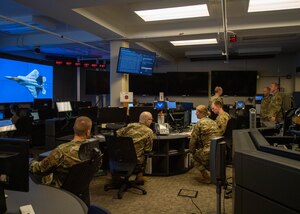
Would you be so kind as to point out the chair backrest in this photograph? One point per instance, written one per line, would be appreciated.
(231, 125)
(97, 210)
(122, 155)
(80, 176)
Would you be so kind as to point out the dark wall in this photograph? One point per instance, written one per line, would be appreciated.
(64, 83)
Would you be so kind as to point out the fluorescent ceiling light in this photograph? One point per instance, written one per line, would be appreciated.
(184, 12)
(194, 42)
(271, 5)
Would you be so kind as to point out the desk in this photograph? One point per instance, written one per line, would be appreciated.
(46, 200)
(170, 155)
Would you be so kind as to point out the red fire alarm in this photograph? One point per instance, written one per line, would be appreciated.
(233, 38)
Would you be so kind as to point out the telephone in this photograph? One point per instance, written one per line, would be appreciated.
(162, 129)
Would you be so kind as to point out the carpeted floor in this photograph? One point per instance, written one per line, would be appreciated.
(162, 196)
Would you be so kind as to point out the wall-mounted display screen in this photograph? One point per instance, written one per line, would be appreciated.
(133, 61)
(97, 82)
(187, 83)
(235, 83)
(24, 81)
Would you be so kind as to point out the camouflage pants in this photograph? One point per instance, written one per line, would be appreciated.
(201, 158)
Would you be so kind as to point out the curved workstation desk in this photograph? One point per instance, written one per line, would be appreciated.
(169, 155)
(45, 199)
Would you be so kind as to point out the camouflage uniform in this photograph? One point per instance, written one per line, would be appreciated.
(215, 98)
(201, 136)
(142, 137)
(275, 107)
(222, 120)
(60, 159)
(264, 107)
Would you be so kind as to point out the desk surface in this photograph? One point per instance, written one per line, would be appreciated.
(45, 199)
(172, 136)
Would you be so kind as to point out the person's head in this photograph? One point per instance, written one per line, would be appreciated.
(14, 109)
(216, 106)
(202, 111)
(82, 127)
(146, 118)
(266, 91)
(218, 90)
(274, 87)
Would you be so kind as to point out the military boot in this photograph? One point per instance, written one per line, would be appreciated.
(205, 177)
(139, 180)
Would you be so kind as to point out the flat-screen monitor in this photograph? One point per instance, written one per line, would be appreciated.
(130, 105)
(159, 105)
(239, 105)
(187, 83)
(42, 103)
(90, 112)
(133, 61)
(148, 85)
(14, 167)
(6, 126)
(1, 115)
(134, 113)
(194, 118)
(235, 83)
(171, 105)
(63, 106)
(97, 82)
(258, 98)
(24, 81)
(112, 115)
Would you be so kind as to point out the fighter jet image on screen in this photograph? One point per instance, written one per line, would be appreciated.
(33, 82)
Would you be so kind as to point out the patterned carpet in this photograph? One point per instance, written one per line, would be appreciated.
(162, 196)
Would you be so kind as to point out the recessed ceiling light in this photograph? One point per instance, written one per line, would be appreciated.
(184, 12)
(195, 42)
(271, 5)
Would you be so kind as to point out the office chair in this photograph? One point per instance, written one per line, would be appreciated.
(97, 210)
(80, 175)
(231, 125)
(122, 163)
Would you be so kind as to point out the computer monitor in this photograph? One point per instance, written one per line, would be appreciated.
(64, 106)
(112, 115)
(159, 105)
(1, 115)
(35, 115)
(194, 118)
(6, 126)
(90, 112)
(239, 105)
(171, 105)
(130, 105)
(42, 103)
(14, 167)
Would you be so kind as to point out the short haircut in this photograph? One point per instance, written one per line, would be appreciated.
(144, 116)
(218, 103)
(82, 125)
(203, 109)
(276, 85)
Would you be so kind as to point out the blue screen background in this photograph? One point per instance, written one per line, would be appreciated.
(11, 91)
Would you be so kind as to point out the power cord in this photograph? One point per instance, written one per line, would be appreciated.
(196, 206)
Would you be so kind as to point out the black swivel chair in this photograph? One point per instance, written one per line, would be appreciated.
(122, 163)
(80, 175)
(231, 125)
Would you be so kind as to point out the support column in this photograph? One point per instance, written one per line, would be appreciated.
(118, 82)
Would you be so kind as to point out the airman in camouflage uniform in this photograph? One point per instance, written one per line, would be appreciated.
(264, 106)
(275, 106)
(200, 140)
(142, 137)
(56, 166)
(223, 116)
(217, 96)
